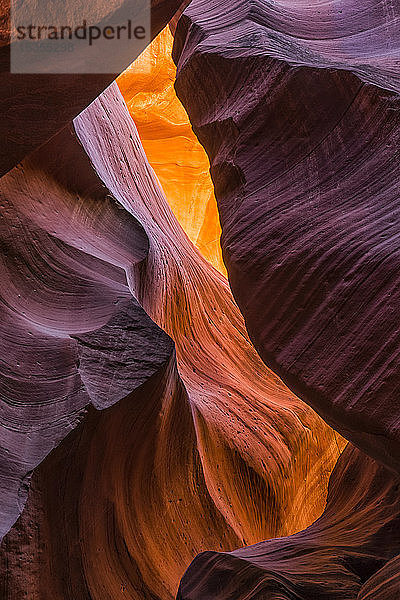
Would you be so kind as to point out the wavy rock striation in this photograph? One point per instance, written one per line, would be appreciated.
(357, 536)
(62, 275)
(299, 115)
(191, 301)
(205, 448)
(306, 176)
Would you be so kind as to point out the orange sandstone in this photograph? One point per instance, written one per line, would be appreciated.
(177, 157)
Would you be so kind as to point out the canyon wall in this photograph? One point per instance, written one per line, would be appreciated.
(298, 109)
(159, 423)
(197, 444)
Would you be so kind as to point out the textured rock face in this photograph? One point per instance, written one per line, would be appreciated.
(201, 448)
(325, 34)
(62, 274)
(384, 584)
(140, 427)
(299, 114)
(35, 107)
(358, 535)
(306, 176)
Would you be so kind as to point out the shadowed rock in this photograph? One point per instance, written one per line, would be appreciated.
(304, 165)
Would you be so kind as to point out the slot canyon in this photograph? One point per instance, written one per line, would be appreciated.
(200, 292)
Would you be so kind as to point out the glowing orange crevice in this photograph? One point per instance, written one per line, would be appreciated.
(178, 159)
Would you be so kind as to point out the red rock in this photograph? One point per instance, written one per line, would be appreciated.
(210, 451)
(62, 274)
(306, 178)
(356, 537)
(299, 114)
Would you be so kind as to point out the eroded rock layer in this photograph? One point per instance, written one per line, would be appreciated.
(305, 167)
(351, 552)
(64, 254)
(299, 114)
(196, 445)
(211, 451)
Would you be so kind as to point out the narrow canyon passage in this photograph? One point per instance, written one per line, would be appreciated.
(220, 454)
(263, 480)
(179, 161)
(198, 280)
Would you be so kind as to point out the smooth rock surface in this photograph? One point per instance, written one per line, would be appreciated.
(64, 250)
(211, 452)
(306, 173)
(351, 552)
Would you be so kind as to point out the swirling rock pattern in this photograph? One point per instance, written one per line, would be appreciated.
(299, 114)
(212, 451)
(305, 170)
(357, 534)
(385, 583)
(197, 445)
(56, 283)
(205, 325)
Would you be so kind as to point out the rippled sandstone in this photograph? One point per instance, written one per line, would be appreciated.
(128, 369)
(211, 451)
(299, 115)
